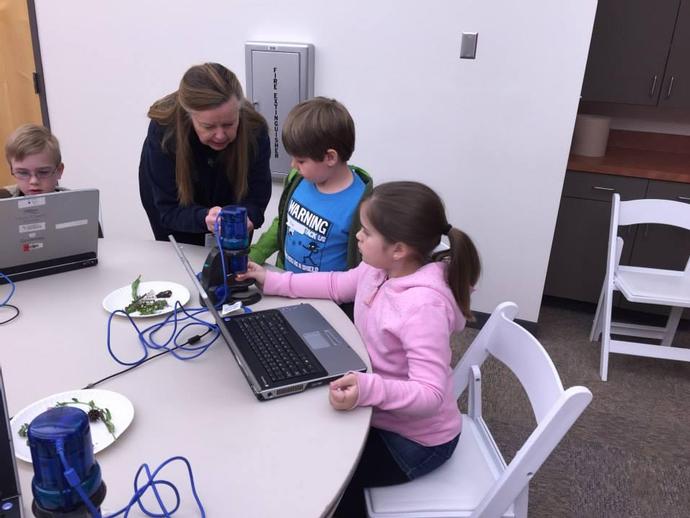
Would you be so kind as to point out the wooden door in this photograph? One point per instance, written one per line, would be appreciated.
(19, 102)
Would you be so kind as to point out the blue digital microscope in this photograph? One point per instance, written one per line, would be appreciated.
(228, 258)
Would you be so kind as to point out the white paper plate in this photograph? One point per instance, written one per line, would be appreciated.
(121, 410)
(122, 297)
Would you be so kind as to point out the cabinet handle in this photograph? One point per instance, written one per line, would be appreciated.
(684, 198)
(653, 86)
(597, 188)
(670, 86)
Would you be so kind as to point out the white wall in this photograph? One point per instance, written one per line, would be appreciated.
(491, 135)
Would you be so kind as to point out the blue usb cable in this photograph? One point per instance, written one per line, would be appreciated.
(139, 491)
(219, 244)
(6, 303)
(183, 350)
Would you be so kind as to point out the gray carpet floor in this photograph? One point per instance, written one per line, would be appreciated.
(629, 453)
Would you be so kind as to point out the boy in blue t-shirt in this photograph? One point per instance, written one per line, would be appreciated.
(317, 218)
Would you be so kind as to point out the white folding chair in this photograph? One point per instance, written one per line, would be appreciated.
(643, 285)
(476, 481)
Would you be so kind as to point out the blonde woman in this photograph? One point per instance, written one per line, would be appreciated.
(206, 148)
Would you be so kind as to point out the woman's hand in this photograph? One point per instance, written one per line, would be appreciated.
(254, 271)
(344, 392)
(211, 218)
(212, 214)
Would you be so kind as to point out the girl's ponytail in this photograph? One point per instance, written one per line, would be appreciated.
(412, 213)
(463, 267)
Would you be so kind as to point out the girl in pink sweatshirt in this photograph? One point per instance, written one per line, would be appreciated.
(407, 302)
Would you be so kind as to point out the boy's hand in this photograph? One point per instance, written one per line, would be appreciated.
(344, 392)
(211, 218)
(254, 271)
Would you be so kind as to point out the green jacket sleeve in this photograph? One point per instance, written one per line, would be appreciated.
(266, 245)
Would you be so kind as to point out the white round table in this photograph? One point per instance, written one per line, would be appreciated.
(286, 457)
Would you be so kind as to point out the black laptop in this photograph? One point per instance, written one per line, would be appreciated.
(10, 499)
(282, 351)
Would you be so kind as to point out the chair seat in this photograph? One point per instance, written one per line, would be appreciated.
(453, 490)
(652, 286)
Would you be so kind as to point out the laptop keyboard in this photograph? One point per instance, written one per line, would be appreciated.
(269, 336)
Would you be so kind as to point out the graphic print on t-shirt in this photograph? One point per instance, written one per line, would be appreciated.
(318, 227)
(307, 232)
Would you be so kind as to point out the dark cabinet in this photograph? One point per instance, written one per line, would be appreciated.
(639, 53)
(675, 90)
(578, 254)
(577, 264)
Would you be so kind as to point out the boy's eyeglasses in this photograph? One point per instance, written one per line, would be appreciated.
(41, 174)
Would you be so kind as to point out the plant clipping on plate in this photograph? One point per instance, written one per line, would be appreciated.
(94, 412)
(148, 303)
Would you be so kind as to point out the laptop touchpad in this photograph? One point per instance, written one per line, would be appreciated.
(316, 340)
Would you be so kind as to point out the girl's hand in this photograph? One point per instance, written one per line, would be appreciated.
(254, 271)
(211, 218)
(344, 392)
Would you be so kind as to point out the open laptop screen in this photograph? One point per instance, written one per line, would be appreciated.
(9, 484)
(48, 233)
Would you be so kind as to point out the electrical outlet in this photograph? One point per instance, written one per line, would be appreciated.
(468, 45)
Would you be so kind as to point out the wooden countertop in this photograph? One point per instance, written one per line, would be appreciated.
(654, 156)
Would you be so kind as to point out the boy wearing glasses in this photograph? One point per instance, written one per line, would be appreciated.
(33, 154)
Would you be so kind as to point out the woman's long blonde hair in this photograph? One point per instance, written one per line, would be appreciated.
(204, 87)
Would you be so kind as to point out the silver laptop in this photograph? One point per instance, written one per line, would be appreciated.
(281, 351)
(10, 498)
(48, 233)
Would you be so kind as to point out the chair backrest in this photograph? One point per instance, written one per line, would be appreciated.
(662, 212)
(638, 212)
(555, 409)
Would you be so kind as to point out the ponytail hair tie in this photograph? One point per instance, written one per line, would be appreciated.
(447, 229)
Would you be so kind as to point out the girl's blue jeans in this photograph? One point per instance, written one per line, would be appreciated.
(414, 459)
(387, 459)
